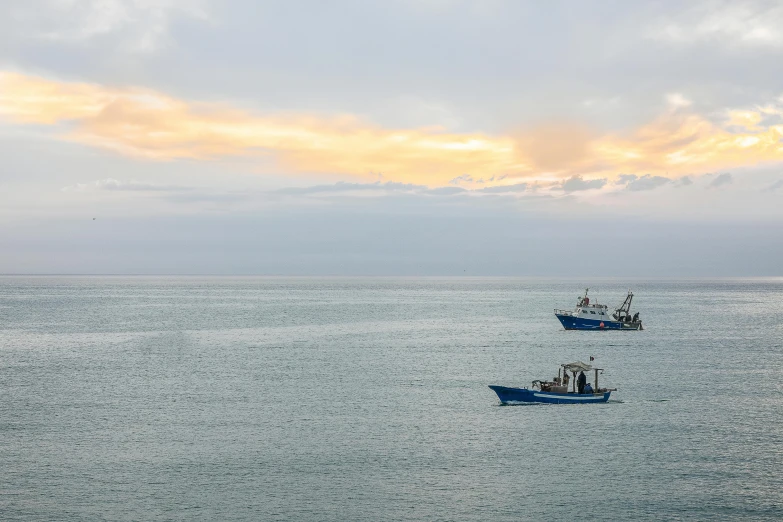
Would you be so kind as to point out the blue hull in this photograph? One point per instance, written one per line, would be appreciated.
(507, 395)
(570, 322)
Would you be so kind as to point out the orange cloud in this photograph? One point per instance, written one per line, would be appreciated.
(555, 147)
(141, 122)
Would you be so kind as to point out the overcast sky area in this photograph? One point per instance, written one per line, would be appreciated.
(404, 137)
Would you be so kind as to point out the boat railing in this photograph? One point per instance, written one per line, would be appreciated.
(564, 312)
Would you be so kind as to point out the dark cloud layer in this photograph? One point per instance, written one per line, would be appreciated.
(776, 186)
(367, 240)
(391, 186)
(645, 182)
(721, 180)
(505, 189)
(684, 181)
(341, 186)
(113, 185)
(576, 183)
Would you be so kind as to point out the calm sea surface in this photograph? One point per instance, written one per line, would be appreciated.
(159, 398)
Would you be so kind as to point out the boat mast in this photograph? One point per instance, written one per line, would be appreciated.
(625, 307)
(580, 301)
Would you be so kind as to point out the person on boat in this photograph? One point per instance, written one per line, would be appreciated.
(580, 382)
(635, 317)
(588, 389)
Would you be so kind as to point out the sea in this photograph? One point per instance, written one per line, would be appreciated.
(340, 399)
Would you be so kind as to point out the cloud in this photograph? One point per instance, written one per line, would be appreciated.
(219, 199)
(684, 181)
(505, 189)
(646, 182)
(749, 23)
(141, 25)
(110, 184)
(722, 179)
(147, 124)
(576, 183)
(208, 197)
(190, 194)
(393, 187)
(677, 100)
(775, 186)
(554, 147)
(465, 178)
(745, 119)
(341, 186)
(445, 191)
(143, 123)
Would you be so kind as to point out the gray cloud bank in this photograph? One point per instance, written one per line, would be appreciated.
(776, 186)
(111, 184)
(373, 240)
(721, 180)
(576, 183)
(395, 187)
(646, 182)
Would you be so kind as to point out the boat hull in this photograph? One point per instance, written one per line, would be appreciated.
(508, 395)
(571, 322)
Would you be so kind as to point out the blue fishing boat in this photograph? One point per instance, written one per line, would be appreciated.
(556, 390)
(594, 316)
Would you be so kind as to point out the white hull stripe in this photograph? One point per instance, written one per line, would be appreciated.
(560, 396)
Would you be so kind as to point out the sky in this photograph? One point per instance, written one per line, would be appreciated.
(404, 137)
